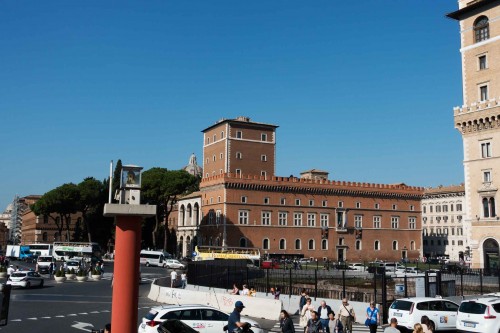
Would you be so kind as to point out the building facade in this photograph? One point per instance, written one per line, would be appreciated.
(478, 121)
(443, 223)
(188, 210)
(244, 204)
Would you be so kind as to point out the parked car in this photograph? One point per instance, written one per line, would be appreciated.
(270, 264)
(304, 261)
(196, 316)
(72, 264)
(25, 279)
(174, 263)
(357, 266)
(479, 315)
(409, 311)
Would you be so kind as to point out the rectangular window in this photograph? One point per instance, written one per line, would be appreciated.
(324, 203)
(297, 219)
(266, 201)
(243, 199)
(377, 222)
(266, 218)
(239, 134)
(263, 158)
(358, 204)
(341, 223)
(445, 208)
(483, 92)
(341, 204)
(282, 218)
(487, 176)
(459, 207)
(263, 137)
(238, 156)
(311, 219)
(412, 223)
(482, 62)
(324, 220)
(395, 222)
(217, 217)
(297, 202)
(263, 173)
(238, 172)
(311, 202)
(243, 217)
(377, 206)
(283, 201)
(394, 207)
(412, 208)
(486, 149)
(358, 221)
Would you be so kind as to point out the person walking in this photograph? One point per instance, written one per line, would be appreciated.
(305, 314)
(334, 324)
(392, 328)
(173, 278)
(372, 317)
(234, 320)
(314, 324)
(302, 301)
(184, 280)
(286, 323)
(324, 314)
(347, 315)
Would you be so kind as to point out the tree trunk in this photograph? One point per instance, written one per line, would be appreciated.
(165, 235)
(155, 230)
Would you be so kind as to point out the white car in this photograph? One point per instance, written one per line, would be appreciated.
(409, 311)
(173, 263)
(357, 266)
(71, 264)
(25, 279)
(204, 319)
(479, 315)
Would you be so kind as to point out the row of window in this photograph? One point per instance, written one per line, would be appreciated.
(238, 172)
(324, 203)
(439, 231)
(445, 242)
(439, 218)
(324, 219)
(443, 208)
(239, 156)
(239, 135)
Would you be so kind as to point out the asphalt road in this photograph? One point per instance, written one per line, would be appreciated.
(76, 306)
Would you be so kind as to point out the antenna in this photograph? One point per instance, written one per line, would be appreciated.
(110, 180)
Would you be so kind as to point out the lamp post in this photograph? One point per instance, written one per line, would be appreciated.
(128, 214)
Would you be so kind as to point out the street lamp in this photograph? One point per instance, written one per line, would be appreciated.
(405, 256)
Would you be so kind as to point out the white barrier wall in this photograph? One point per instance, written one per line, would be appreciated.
(263, 306)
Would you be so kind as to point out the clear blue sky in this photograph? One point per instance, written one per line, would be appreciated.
(362, 89)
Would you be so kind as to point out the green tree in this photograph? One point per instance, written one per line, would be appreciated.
(162, 187)
(116, 179)
(92, 197)
(58, 204)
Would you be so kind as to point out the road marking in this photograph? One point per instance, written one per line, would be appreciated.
(60, 316)
(95, 312)
(32, 318)
(46, 317)
(82, 326)
(71, 315)
(83, 313)
(16, 320)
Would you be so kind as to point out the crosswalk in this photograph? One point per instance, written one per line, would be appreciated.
(356, 328)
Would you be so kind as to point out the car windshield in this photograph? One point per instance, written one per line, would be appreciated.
(472, 307)
(18, 274)
(401, 305)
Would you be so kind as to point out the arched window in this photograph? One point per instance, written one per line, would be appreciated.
(412, 245)
(265, 244)
(377, 245)
(481, 29)
(282, 244)
(311, 244)
(358, 245)
(297, 244)
(324, 244)
(394, 245)
(489, 207)
(243, 242)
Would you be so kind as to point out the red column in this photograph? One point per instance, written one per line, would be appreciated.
(126, 274)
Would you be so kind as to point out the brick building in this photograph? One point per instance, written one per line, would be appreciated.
(244, 204)
(478, 121)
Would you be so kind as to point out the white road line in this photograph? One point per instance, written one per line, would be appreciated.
(83, 313)
(15, 320)
(32, 318)
(46, 317)
(71, 315)
(60, 316)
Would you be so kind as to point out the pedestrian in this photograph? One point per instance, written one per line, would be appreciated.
(277, 293)
(305, 314)
(245, 290)
(235, 290)
(426, 324)
(393, 327)
(302, 301)
(10, 270)
(314, 324)
(372, 317)
(286, 323)
(417, 328)
(234, 320)
(107, 328)
(347, 315)
(334, 324)
(173, 278)
(324, 314)
(184, 280)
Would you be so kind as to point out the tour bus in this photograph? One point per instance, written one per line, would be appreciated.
(85, 250)
(41, 249)
(153, 258)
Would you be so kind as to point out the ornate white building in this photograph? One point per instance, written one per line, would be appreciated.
(443, 223)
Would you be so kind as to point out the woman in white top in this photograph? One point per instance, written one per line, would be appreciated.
(305, 314)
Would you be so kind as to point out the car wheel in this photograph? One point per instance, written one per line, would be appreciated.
(164, 265)
(169, 267)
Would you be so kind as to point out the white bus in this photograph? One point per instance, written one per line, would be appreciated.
(153, 258)
(85, 250)
(41, 249)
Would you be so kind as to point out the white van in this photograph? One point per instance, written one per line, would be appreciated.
(153, 258)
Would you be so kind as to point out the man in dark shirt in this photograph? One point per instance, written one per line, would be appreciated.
(234, 320)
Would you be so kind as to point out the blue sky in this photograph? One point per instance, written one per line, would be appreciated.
(362, 89)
